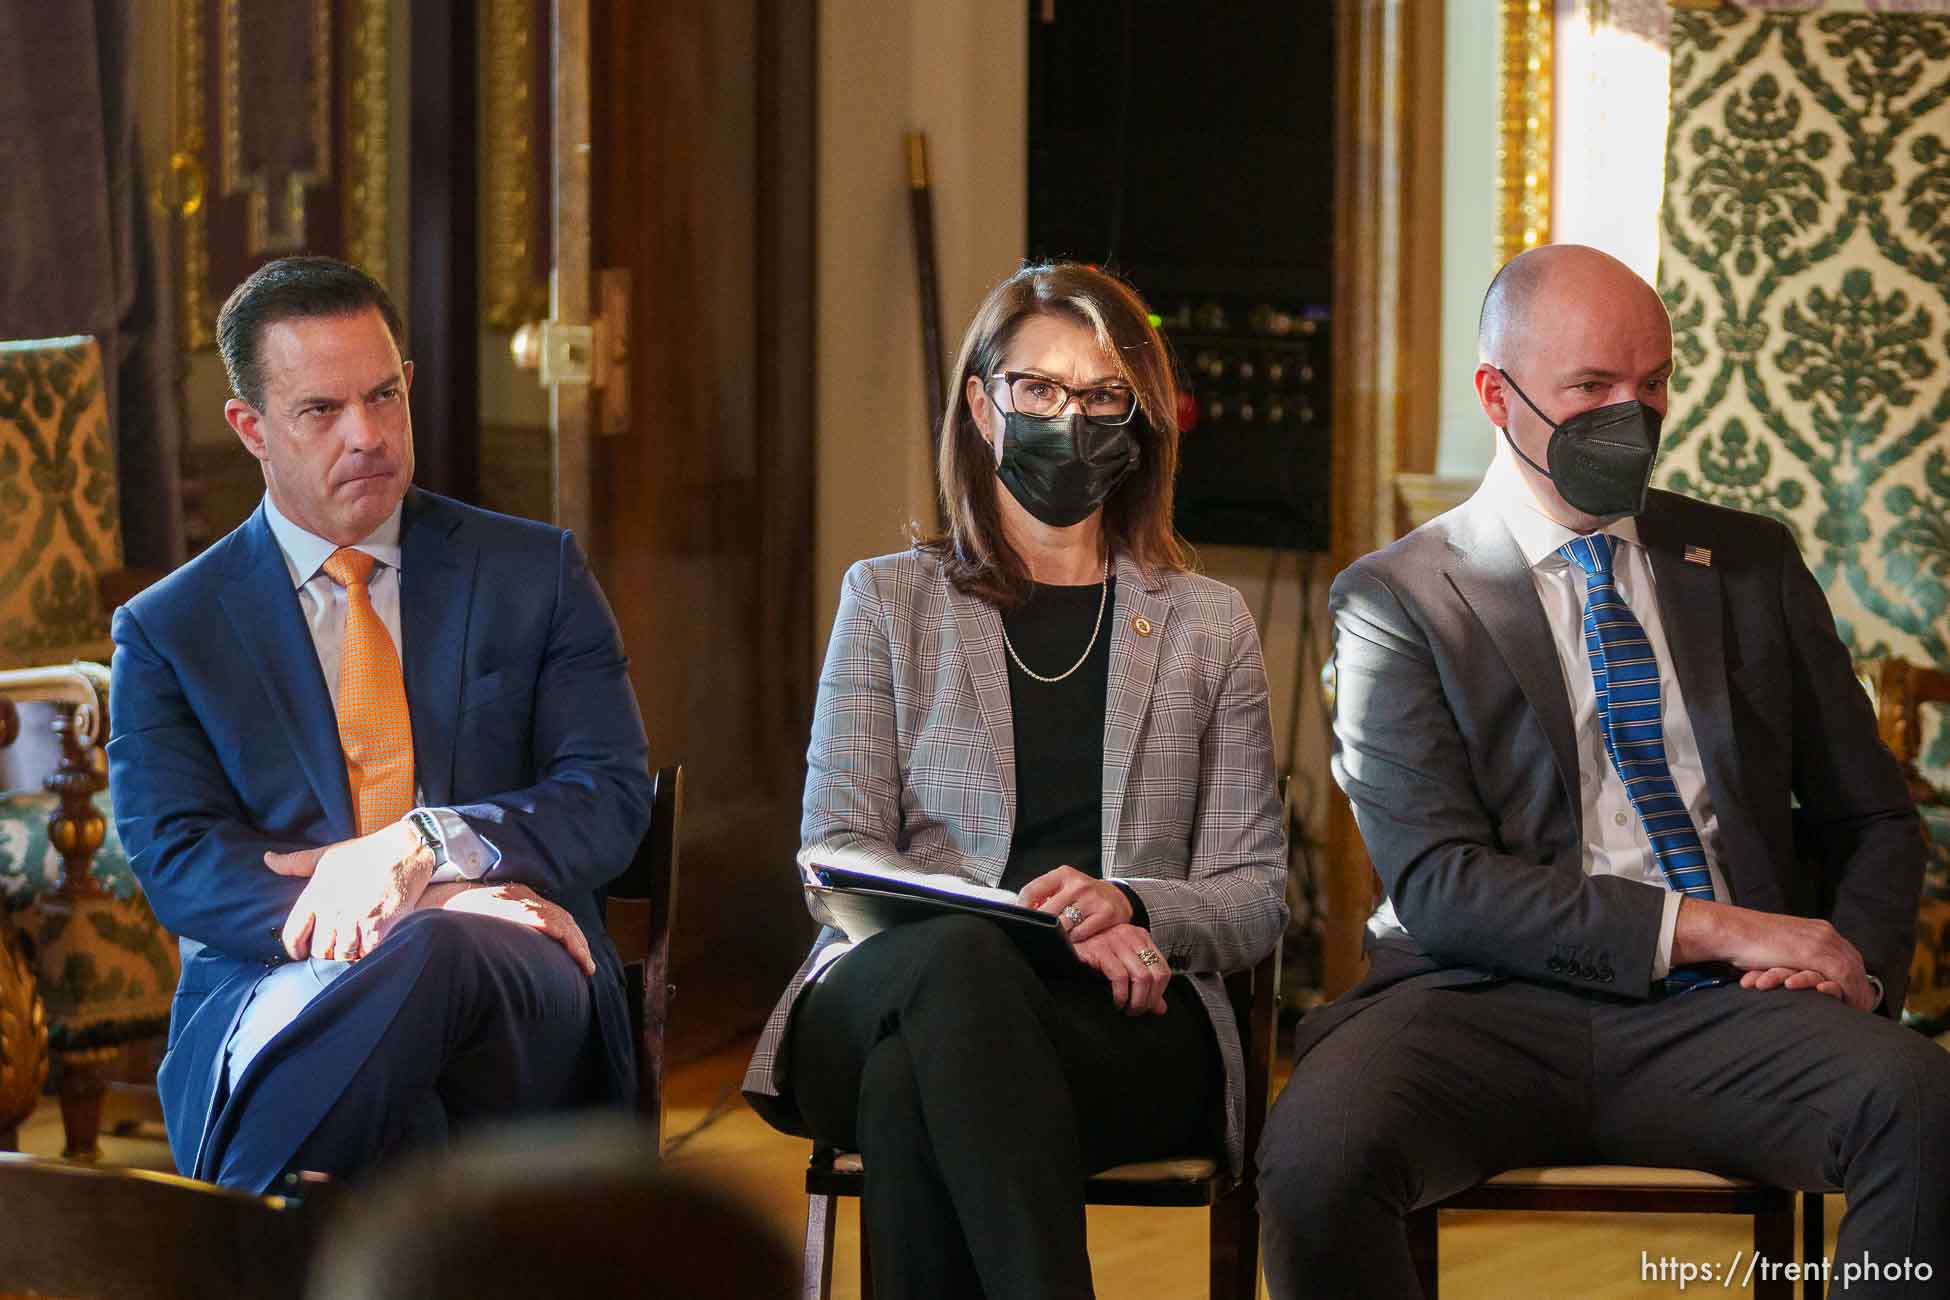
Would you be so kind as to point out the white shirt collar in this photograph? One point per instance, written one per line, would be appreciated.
(305, 553)
(1537, 535)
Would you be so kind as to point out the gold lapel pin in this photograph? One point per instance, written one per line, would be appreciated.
(1140, 625)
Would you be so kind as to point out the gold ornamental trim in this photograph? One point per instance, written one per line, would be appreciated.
(364, 169)
(1523, 155)
(368, 130)
(515, 291)
(23, 1031)
(188, 156)
(1421, 497)
(274, 222)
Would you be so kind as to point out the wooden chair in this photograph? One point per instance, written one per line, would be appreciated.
(1627, 1189)
(104, 968)
(147, 1235)
(638, 911)
(1190, 1182)
(1900, 690)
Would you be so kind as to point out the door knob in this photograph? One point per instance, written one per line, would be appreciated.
(596, 355)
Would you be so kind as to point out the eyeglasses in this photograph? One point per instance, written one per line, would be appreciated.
(1043, 397)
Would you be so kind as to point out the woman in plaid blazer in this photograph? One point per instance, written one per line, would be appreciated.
(1043, 698)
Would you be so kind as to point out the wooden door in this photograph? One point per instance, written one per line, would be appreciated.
(701, 510)
(571, 276)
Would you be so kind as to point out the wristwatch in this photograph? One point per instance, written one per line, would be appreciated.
(429, 832)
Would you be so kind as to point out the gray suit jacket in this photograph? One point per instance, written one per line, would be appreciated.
(912, 762)
(1454, 744)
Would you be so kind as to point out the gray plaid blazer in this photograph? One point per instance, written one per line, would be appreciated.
(913, 763)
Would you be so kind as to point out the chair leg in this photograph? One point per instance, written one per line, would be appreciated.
(1235, 1245)
(1421, 1226)
(1774, 1242)
(816, 1269)
(83, 1081)
(1814, 1242)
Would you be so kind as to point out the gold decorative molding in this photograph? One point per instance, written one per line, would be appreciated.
(275, 222)
(1523, 155)
(517, 288)
(1421, 497)
(187, 158)
(23, 1031)
(347, 53)
(367, 128)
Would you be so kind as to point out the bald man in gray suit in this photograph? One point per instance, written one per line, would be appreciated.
(1651, 878)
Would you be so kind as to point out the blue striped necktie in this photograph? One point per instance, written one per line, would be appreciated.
(1626, 675)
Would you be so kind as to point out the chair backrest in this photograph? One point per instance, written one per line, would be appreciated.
(81, 1230)
(640, 909)
(1900, 688)
(57, 483)
(1255, 997)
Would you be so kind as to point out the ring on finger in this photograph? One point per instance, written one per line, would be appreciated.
(1072, 916)
(1148, 957)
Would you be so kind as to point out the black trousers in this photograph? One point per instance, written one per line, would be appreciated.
(1433, 1090)
(982, 1095)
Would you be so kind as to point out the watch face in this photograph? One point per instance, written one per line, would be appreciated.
(429, 835)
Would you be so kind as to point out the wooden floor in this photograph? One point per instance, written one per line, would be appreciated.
(1160, 1254)
(1156, 1254)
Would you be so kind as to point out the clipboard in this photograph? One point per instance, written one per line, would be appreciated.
(863, 904)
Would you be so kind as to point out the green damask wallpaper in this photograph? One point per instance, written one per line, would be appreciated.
(1805, 257)
(60, 523)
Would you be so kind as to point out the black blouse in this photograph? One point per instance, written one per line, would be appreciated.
(1059, 731)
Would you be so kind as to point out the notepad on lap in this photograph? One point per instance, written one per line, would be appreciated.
(865, 898)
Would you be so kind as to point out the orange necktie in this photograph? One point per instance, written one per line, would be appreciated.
(373, 726)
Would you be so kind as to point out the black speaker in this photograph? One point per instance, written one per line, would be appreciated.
(1190, 148)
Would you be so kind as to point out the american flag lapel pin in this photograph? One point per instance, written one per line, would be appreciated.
(1699, 555)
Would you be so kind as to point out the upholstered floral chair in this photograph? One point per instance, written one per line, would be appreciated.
(104, 967)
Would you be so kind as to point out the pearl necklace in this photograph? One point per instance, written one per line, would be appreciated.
(1103, 598)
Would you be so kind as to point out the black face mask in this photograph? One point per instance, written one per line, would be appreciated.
(1061, 469)
(1601, 460)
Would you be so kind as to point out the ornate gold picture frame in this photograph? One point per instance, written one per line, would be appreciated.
(1523, 155)
(279, 140)
(515, 163)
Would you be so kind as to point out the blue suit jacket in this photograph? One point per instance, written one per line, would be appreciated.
(224, 745)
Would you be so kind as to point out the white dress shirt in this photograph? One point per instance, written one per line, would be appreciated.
(323, 601)
(1615, 842)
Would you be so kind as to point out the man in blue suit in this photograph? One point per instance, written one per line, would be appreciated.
(374, 755)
